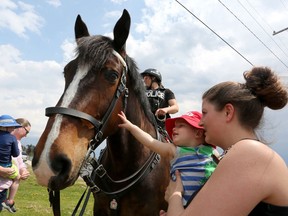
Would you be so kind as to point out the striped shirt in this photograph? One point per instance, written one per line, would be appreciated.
(195, 165)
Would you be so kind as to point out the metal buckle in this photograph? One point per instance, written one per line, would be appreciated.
(98, 136)
(100, 171)
(94, 189)
(155, 161)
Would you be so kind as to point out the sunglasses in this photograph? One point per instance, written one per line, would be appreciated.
(27, 131)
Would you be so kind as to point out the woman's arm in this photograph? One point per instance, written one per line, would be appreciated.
(171, 109)
(173, 106)
(166, 150)
(173, 196)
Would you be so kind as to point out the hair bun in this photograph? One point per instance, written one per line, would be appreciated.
(267, 87)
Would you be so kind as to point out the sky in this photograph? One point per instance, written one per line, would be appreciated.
(193, 43)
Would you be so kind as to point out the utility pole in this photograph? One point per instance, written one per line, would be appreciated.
(274, 33)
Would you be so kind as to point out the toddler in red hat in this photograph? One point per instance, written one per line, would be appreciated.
(188, 153)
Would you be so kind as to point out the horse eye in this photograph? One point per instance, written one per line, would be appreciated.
(111, 76)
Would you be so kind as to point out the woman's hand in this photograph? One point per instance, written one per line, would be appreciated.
(173, 196)
(161, 113)
(175, 188)
(24, 174)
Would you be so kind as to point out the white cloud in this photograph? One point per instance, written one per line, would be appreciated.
(20, 18)
(9, 55)
(119, 1)
(7, 4)
(28, 87)
(54, 3)
(68, 48)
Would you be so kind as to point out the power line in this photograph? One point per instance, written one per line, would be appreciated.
(253, 34)
(214, 32)
(274, 33)
(283, 44)
(262, 27)
(283, 4)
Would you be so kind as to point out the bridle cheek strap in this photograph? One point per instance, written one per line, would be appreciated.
(120, 59)
(121, 88)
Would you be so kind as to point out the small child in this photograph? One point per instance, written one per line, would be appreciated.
(8, 148)
(188, 153)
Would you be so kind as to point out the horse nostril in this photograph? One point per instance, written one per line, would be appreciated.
(61, 164)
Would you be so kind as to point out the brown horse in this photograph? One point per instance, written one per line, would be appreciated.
(100, 82)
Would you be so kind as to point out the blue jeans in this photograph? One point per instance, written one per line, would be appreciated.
(3, 197)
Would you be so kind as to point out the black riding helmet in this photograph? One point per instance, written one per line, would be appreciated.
(153, 72)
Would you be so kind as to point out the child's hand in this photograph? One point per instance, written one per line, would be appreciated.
(162, 213)
(126, 123)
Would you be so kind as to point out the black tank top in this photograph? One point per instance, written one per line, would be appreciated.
(265, 209)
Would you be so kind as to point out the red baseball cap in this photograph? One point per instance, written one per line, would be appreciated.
(192, 118)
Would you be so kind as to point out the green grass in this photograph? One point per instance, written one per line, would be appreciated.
(32, 199)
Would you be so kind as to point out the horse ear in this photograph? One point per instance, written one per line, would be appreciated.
(121, 31)
(80, 28)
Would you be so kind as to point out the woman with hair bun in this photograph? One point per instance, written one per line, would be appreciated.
(250, 179)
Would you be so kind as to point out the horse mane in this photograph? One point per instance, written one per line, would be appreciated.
(100, 47)
(94, 47)
(138, 87)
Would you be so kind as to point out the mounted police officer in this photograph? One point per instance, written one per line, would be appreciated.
(162, 100)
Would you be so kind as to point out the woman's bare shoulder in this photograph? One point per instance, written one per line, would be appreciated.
(249, 149)
(262, 167)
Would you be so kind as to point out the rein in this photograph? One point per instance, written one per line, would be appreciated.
(91, 169)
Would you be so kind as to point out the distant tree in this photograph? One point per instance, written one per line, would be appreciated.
(24, 148)
(30, 149)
